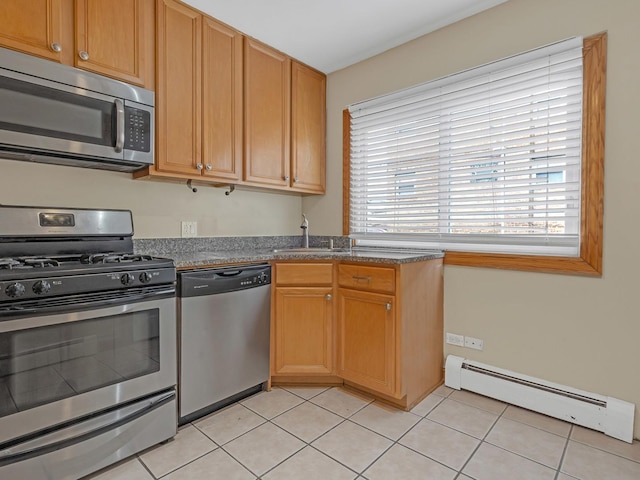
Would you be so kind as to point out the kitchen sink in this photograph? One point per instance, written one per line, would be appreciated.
(311, 250)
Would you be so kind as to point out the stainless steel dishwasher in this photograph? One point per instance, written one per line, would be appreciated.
(223, 318)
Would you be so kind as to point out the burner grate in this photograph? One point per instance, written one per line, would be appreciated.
(114, 258)
(9, 264)
(39, 262)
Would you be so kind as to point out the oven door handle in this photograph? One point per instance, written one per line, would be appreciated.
(31, 448)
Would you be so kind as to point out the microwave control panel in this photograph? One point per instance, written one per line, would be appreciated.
(137, 124)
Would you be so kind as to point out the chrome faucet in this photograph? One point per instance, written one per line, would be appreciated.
(305, 231)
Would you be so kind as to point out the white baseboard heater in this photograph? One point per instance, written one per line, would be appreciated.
(606, 414)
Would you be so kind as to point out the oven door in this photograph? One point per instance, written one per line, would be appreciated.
(57, 368)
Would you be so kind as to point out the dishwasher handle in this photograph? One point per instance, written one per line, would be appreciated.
(231, 273)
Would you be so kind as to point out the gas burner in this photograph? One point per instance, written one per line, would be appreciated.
(114, 258)
(8, 264)
(39, 262)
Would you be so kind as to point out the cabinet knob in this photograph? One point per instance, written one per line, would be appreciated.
(286, 178)
(209, 167)
(329, 297)
(295, 179)
(83, 55)
(388, 306)
(199, 166)
(56, 47)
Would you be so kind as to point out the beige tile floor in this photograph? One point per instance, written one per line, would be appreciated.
(307, 433)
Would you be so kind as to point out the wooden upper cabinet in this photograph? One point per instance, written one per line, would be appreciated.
(106, 37)
(222, 101)
(267, 89)
(199, 101)
(33, 27)
(178, 114)
(112, 38)
(308, 125)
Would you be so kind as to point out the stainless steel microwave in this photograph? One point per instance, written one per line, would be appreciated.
(53, 113)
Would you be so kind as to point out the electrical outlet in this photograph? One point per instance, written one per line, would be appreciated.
(189, 229)
(474, 343)
(454, 339)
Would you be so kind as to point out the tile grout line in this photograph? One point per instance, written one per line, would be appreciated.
(600, 449)
(482, 440)
(564, 453)
(519, 455)
(145, 467)
(344, 419)
(308, 444)
(397, 441)
(393, 442)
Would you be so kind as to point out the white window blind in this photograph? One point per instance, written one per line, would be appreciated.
(485, 160)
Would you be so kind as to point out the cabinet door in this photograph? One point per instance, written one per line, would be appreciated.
(303, 330)
(222, 101)
(308, 105)
(178, 100)
(267, 115)
(111, 38)
(367, 340)
(33, 27)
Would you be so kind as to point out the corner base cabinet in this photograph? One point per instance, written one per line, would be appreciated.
(385, 329)
(390, 329)
(367, 340)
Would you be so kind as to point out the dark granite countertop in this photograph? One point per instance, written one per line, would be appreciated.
(210, 252)
(185, 260)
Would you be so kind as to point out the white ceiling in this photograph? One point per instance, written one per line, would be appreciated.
(333, 34)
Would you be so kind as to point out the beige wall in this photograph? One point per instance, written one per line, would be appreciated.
(158, 207)
(582, 332)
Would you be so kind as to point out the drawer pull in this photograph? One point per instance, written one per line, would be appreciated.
(329, 297)
(388, 306)
(357, 277)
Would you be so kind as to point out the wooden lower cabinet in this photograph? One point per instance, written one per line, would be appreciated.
(367, 340)
(303, 330)
(388, 335)
(302, 321)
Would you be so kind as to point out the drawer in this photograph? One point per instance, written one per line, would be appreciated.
(380, 279)
(304, 273)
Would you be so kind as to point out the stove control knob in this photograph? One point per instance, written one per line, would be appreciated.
(15, 290)
(126, 279)
(145, 277)
(41, 287)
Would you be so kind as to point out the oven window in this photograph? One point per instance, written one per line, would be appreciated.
(45, 364)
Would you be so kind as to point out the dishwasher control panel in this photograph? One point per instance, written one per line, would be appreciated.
(261, 278)
(195, 283)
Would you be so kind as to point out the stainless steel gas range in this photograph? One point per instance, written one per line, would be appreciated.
(87, 343)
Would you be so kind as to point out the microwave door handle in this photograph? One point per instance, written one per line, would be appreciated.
(119, 125)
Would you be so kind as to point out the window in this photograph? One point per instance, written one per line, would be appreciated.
(499, 165)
